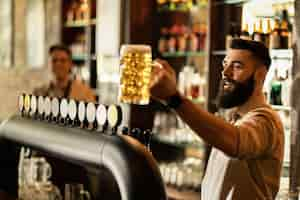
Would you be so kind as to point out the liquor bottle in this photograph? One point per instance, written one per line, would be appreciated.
(162, 4)
(230, 35)
(286, 21)
(33, 106)
(245, 35)
(172, 42)
(82, 114)
(258, 32)
(47, 107)
(163, 41)
(286, 89)
(101, 117)
(267, 33)
(182, 39)
(284, 34)
(55, 109)
(276, 89)
(64, 110)
(114, 117)
(21, 103)
(91, 116)
(41, 110)
(275, 36)
(73, 113)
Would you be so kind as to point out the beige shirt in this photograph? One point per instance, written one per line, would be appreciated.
(76, 90)
(255, 173)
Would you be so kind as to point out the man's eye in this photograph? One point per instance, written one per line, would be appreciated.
(238, 66)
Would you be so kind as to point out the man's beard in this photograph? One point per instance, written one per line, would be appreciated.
(236, 97)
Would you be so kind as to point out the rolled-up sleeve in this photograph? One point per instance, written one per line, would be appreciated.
(256, 135)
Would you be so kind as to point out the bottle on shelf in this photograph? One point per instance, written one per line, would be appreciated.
(233, 33)
(284, 34)
(71, 12)
(82, 11)
(163, 4)
(172, 42)
(245, 35)
(286, 22)
(275, 35)
(258, 32)
(276, 90)
(163, 41)
(267, 33)
(182, 38)
(202, 36)
(286, 89)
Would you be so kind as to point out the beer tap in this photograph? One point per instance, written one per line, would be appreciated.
(137, 134)
(148, 136)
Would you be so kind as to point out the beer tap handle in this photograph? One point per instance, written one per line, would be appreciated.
(137, 134)
(125, 130)
(148, 136)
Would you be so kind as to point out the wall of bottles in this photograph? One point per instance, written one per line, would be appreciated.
(275, 31)
(181, 37)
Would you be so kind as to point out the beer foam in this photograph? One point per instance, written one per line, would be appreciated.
(134, 48)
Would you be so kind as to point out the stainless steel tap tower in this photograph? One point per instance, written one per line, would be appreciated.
(132, 166)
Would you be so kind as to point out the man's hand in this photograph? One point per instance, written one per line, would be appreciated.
(163, 81)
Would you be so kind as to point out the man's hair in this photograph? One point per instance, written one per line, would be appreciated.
(60, 47)
(258, 50)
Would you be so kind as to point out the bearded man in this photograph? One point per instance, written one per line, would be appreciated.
(247, 154)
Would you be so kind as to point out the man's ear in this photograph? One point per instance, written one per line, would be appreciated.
(260, 75)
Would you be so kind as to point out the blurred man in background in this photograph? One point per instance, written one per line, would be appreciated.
(64, 85)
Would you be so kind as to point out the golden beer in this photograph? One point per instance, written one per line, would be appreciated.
(135, 71)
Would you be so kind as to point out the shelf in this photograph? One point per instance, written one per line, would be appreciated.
(281, 53)
(182, 9)
(219, 53)
(93, 21)
(274, 53)
(79, 57)
(162, 10)
(281, 108)
(189, 149)
(200, 100)
(80, 23)
(252, 1)
(183, 54)
(175, 194)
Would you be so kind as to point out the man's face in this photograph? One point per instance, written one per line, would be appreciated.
(237, 83)
(61, 64)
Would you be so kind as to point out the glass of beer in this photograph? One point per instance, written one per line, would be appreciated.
(135, 73)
